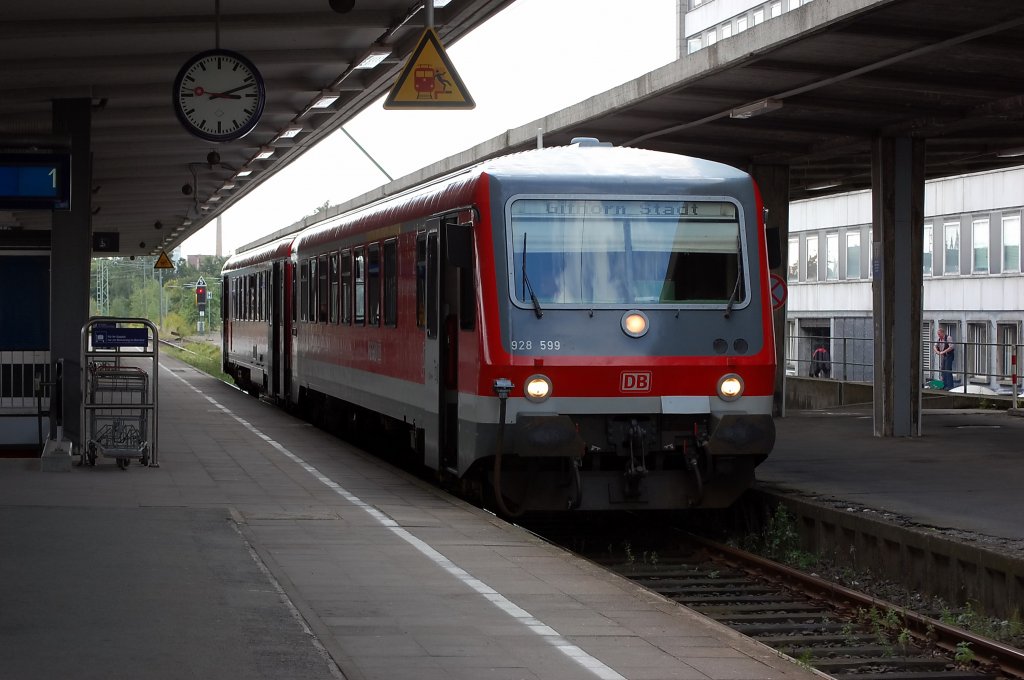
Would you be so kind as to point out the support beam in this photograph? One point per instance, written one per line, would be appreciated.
(773, 181)
(897, 178)
(70, 256)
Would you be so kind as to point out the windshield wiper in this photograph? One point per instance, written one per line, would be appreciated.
(527, 287)
(739, 277)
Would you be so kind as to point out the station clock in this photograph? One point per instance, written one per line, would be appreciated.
(219, 95)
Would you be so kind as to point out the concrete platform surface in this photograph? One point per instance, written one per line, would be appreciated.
(263, 548)
(965, 473)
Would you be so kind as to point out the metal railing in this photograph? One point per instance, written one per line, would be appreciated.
(980, 366)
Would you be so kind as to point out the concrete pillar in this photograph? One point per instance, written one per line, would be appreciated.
(70, 256)
(773, 181)
(897, 185)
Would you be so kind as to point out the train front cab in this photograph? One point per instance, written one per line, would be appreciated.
(675, 441)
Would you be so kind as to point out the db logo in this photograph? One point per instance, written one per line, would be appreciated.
(638, 381)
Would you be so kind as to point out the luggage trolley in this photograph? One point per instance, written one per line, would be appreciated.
(118, 394)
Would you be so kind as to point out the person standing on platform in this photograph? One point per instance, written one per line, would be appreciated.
(821, 362)
(945, 349)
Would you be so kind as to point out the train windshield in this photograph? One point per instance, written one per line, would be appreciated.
(626, 252)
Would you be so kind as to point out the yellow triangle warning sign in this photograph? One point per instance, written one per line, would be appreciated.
(163, 262)
(429, 80)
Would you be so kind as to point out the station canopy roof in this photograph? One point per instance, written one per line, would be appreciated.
(123, 55)
(810, 89)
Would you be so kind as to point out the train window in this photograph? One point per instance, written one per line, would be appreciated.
(334, 287)
(322, 291)
(252, 297)
(346, 287)
(261, 295)
(311, 284)
(373, 286)
(295, 292)
(359, 290)
(432, 267)
(625, 252)
(304, 290)
(467, 296)
(421, 280)
(391, 283)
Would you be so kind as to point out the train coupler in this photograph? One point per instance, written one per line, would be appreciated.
(637, 468)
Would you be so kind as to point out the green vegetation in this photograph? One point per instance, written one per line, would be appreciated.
(203, 355)
(127, 287)
(779, 540)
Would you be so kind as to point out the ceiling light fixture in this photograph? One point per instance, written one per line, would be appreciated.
(326, 98)
(213, 199)
(228, 186)
(1011, 153)
(375, 55)
(827, 184)
(438, 4)
(265, 153)
(290, 131)
(244, 172)
(755, 108)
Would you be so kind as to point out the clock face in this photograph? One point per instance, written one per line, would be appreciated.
(219, 95)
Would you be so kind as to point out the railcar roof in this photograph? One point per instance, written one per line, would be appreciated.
(575, 161)
(275, 250)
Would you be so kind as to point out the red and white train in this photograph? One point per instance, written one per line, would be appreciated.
(571, 327)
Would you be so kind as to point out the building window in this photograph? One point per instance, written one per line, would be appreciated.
(775, 9)
(926, 259)
(793, 273)
(832, 257)
(853, 255)
(758, 16)
(951, 248)
(979, 245)
(812, 258)
(1008, 336)
(792, 347)
(741, 23)
(1011, 243)
(693, 44)
(726, 31)
(977, 350)
(711, 38)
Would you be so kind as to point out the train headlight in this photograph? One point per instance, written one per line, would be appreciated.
(538, 388)
(635, 323)
(730, 387)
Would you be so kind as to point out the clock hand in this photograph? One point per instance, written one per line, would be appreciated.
(227, 93)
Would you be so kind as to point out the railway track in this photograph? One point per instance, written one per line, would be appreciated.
(843, 633)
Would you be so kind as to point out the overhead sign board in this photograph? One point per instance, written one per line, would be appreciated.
(429, 80)
(39, 181)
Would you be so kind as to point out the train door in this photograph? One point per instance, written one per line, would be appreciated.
(441, 349)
